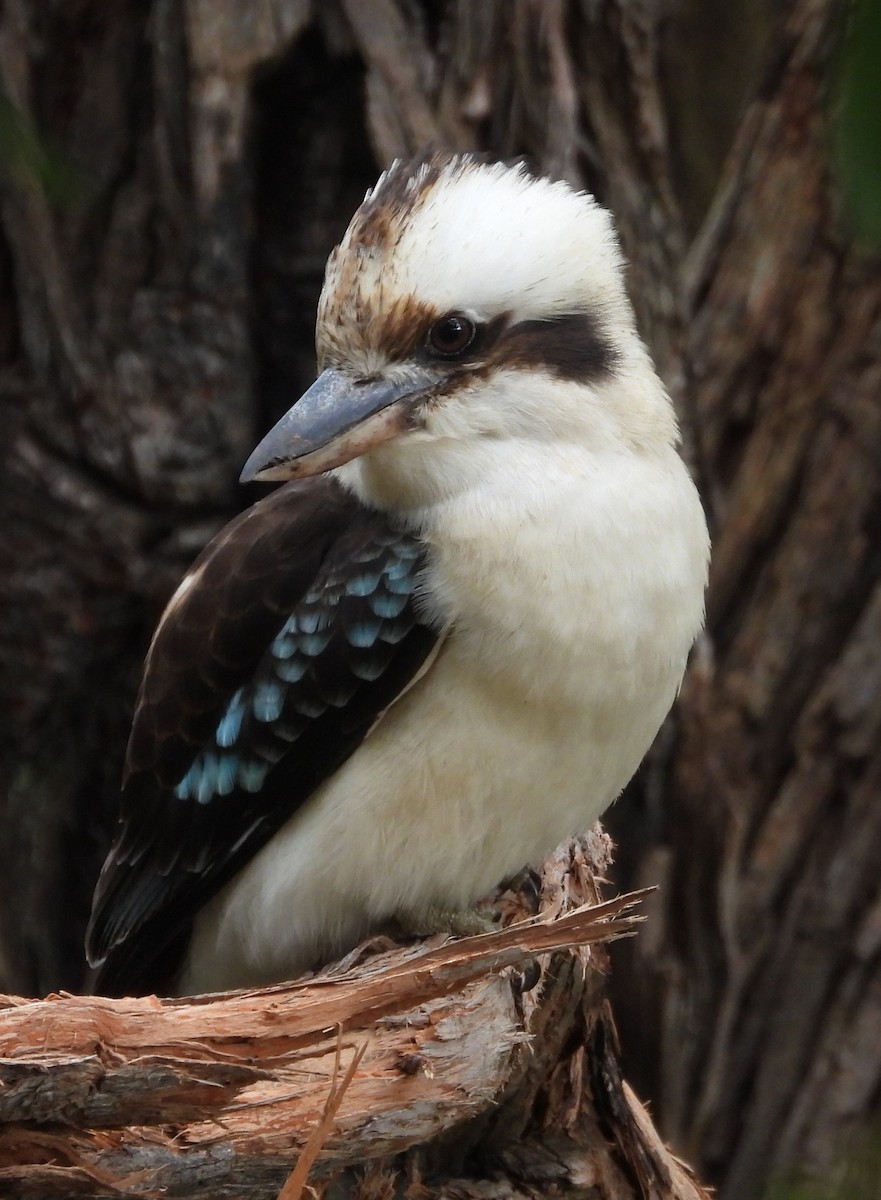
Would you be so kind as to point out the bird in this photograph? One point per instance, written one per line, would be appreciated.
(444, 645)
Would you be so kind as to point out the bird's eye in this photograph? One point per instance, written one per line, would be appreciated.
(451, 336)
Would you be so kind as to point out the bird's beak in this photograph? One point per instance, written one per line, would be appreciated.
(337, 419)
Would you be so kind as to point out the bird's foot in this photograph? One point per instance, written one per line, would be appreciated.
(515, 898)
(464, 922)
(525, 889)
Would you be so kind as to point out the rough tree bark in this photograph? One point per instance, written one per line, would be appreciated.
(162, 237)
(761, 982)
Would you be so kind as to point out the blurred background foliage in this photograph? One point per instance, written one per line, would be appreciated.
(857, 121)
(31, 158)
(856, 1177)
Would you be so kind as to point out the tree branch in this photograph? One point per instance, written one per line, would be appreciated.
(137, 1095)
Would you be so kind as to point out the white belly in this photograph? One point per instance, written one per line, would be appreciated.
(537, 711)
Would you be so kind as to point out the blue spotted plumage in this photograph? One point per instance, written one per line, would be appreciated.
(231, 722)
(364, 633)
(291, 670)
(226, 774)
(288, 683)
(311, 622)
(251, 774)
(388, 605)
(400, 585)
(313, 644)
(364, 584)
(268, 700)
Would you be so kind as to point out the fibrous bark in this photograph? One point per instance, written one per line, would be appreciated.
(465, 1044)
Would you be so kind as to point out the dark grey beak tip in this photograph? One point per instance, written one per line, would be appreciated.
(258, 470)
(250, 471)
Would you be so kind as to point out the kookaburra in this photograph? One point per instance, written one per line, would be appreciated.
(446, 645)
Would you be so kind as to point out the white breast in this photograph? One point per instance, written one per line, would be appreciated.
(573, 604)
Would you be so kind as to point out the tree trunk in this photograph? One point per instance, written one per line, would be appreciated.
(174, 174)
(757, 997)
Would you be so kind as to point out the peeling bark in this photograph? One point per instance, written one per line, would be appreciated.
(459, 1044)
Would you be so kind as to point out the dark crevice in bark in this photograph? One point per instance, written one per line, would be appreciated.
(312, 166)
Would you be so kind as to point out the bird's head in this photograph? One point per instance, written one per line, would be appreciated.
(469, 303)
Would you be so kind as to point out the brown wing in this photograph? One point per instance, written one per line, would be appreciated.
(297, 627)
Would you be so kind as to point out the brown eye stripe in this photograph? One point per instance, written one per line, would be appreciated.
(570, 347)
